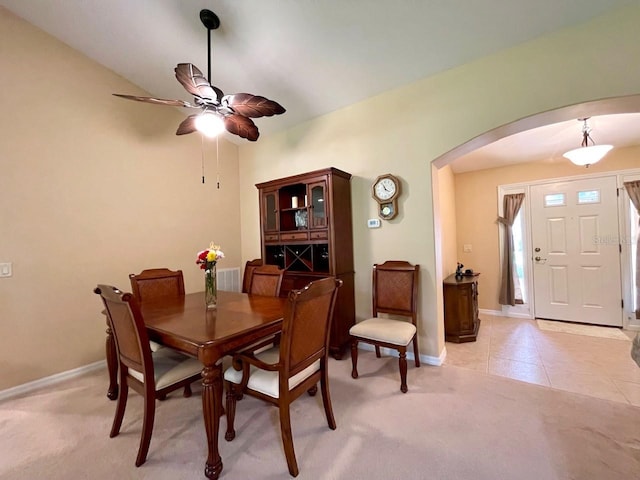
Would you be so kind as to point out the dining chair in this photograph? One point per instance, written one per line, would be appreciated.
(282, 373)
(249, 267)
(156, 283)
(266, 280)
(152, 374)
(395, 293)
(150, 284)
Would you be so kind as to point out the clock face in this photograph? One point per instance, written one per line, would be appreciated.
(385, 189)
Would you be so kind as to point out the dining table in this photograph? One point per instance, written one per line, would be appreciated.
(238, 321)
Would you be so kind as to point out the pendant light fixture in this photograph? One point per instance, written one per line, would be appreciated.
(587, 154)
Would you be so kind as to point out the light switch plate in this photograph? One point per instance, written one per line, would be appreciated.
(5, 269)
(467, 248)
(373, 223)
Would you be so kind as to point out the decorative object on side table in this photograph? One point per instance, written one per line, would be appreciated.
(459, 270)
(207, 259)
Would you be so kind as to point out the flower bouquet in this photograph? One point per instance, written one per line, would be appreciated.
(207, 259)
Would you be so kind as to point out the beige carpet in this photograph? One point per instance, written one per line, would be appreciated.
(454, 424)
(579, 329)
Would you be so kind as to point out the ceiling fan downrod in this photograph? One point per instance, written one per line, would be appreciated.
(211, 22)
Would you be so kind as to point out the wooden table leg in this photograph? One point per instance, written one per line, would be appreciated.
(112, 365)
(211, 408)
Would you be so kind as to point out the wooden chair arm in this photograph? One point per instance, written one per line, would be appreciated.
(272, 339)
(244, 360)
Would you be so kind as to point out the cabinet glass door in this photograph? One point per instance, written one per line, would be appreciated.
(270, 211)
(317, 192)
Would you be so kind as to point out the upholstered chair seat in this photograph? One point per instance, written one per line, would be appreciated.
(395, 294)
(169, 367)
(265, 381)
(381, 330)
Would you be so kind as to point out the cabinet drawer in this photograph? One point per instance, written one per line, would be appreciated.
(294, 236)
(322, 235)
(271, 237)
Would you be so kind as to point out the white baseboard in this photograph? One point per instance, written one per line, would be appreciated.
(426, 359)
(51, 380)
(500, 313)
(29, 387)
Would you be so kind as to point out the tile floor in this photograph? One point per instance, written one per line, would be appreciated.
(518, 349)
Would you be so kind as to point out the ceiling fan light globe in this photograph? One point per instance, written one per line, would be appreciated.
(584, 156)
(209, 124)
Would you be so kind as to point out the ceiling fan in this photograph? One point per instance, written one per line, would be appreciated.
(217, 110)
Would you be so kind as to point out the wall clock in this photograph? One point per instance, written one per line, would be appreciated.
(385, 191)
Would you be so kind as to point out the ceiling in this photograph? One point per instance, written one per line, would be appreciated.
(551, 141)
(313, 56)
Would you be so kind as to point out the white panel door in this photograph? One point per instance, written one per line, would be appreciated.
(576, 256)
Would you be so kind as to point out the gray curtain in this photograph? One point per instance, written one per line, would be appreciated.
(510, 292)
(633, 189)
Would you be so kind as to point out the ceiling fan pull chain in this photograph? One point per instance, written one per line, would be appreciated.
(217, 165)
(202, 153)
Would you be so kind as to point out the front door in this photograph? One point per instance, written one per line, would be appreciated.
(576, 256)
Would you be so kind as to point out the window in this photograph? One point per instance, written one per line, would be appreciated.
(518, 252)
(588, 196)
(522, 270)
(554, 200)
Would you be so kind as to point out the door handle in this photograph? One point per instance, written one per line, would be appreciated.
(538, 259)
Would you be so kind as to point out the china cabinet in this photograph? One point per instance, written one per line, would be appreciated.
(306, 230)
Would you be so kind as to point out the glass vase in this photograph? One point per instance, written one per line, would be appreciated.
(210, 288)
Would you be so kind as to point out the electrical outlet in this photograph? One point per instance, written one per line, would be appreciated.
(467, 248)
(5, 269)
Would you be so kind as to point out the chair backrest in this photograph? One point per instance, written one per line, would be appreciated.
(395, 289)
(249, 267)
(157, 283)
(266, 280)
(307, 324)
(127, 326)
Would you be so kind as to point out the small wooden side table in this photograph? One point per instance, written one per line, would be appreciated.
(461, 322)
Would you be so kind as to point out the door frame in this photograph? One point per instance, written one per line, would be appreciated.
(528, 310)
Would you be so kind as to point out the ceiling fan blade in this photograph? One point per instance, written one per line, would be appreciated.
(188, 125)
(253, 105)
(157, 101)
(241, 126)
(218, 92)
(194, 81)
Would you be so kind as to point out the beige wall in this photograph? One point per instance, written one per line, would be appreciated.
(93, 188)
(477, 209)
(404, 130)
(446, 209)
